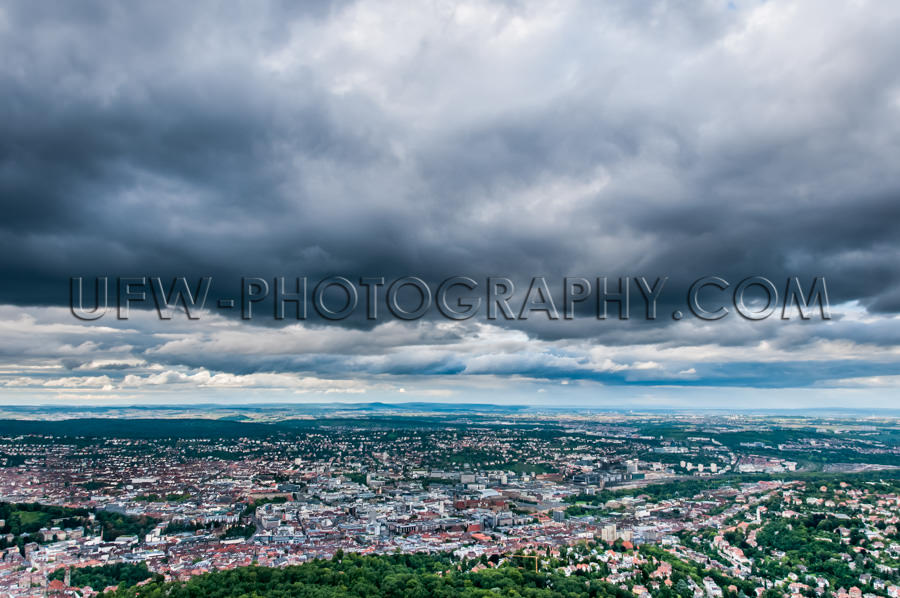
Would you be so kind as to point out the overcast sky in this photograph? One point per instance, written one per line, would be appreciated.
(436, 138)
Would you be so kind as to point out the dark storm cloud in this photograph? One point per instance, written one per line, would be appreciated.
(124, 150)
(154, 141)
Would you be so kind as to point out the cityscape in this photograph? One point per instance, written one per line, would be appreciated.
(644, 504)
(449, 299)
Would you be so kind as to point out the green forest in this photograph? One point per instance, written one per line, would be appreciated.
(105, 575)
(417, 576)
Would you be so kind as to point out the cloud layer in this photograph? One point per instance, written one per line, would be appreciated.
(443, 138)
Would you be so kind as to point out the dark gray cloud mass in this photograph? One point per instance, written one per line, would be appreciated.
(448, 138)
